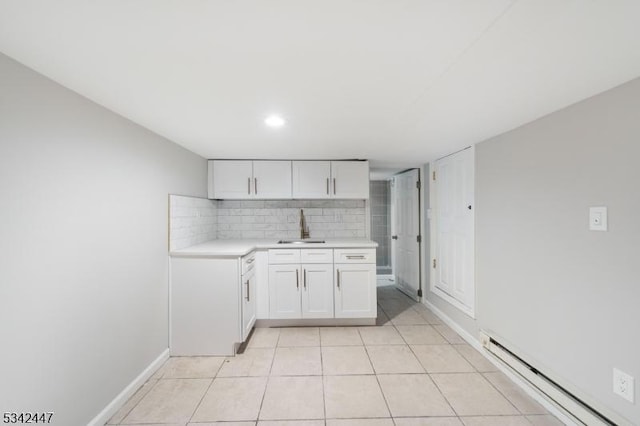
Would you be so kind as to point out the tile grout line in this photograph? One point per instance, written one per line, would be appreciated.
(205, 393)
(377, 380)
(501, 393)
(266, 385)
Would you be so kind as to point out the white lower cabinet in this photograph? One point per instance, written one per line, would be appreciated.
(301, 291)
(284, 291)
(317, 290)
(355, 292)
(206, 315)
(322, 283)
(248, 302)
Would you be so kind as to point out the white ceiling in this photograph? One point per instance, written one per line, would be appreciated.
(395, 81)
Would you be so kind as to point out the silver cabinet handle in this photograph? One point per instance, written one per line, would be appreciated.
(304, 278)
(250, 261)
(255, 185)
(327, 186)
(297, 280)
(249, 185)
(338, 272)
(355, 256)
(248, 298)
(334, 186)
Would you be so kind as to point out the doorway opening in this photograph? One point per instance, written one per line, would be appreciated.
(406, 234)
(380, 207)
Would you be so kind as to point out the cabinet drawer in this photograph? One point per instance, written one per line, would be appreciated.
(280, 256)
(354, 255)
(248, 262)
(316, 256)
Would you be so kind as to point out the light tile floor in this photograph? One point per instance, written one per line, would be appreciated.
(409, 370)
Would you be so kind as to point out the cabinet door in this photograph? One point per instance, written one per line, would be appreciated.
(317, 291)
(272, 179)
(248, 304)
(284, 291)
(311, 179)
(232, 179)
(355, 290)
(350, 179)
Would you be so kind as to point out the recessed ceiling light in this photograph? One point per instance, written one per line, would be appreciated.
(274, 121)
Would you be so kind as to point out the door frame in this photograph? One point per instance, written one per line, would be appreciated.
(433, 228)
(420, 295)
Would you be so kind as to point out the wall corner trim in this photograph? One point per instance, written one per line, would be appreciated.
(103, 417)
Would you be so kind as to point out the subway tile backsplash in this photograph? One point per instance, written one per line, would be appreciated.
(196, 220)
(191, 221)
(281, 218)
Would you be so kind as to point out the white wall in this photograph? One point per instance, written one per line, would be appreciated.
(566, 297)
(83, 246)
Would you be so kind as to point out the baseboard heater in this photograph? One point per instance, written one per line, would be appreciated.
(574, 406)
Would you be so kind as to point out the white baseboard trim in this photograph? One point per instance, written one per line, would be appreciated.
(534, 393)
(108, 411)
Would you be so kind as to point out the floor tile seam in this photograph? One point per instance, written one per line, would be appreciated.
(503, 394)
(384, 397)
(340, 346)
(444, 396)
(455, 346)
(379, 385)
(324, 402)
(442, 334)
(264, 393)
(200, 402)
(475, 370)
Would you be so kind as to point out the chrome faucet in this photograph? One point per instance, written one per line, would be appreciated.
(304, 229)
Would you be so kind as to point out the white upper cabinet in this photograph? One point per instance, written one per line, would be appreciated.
(272, 179)
(231, 179)
(350, 179)
(331, 179)
(245, 179)
(311, 179)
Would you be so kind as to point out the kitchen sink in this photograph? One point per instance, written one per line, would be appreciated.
(301, 241)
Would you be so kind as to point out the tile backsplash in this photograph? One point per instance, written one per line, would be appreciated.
(196, 220)
(191, 221)
(281, 218)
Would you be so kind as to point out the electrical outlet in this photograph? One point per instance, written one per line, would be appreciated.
(623, 385)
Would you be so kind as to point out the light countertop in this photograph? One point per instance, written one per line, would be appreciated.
(235, 248)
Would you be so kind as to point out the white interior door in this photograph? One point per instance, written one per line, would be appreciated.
(406, 228)
(453, 259)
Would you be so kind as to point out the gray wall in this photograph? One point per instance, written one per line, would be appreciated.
(83, 247)
(566, 297)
